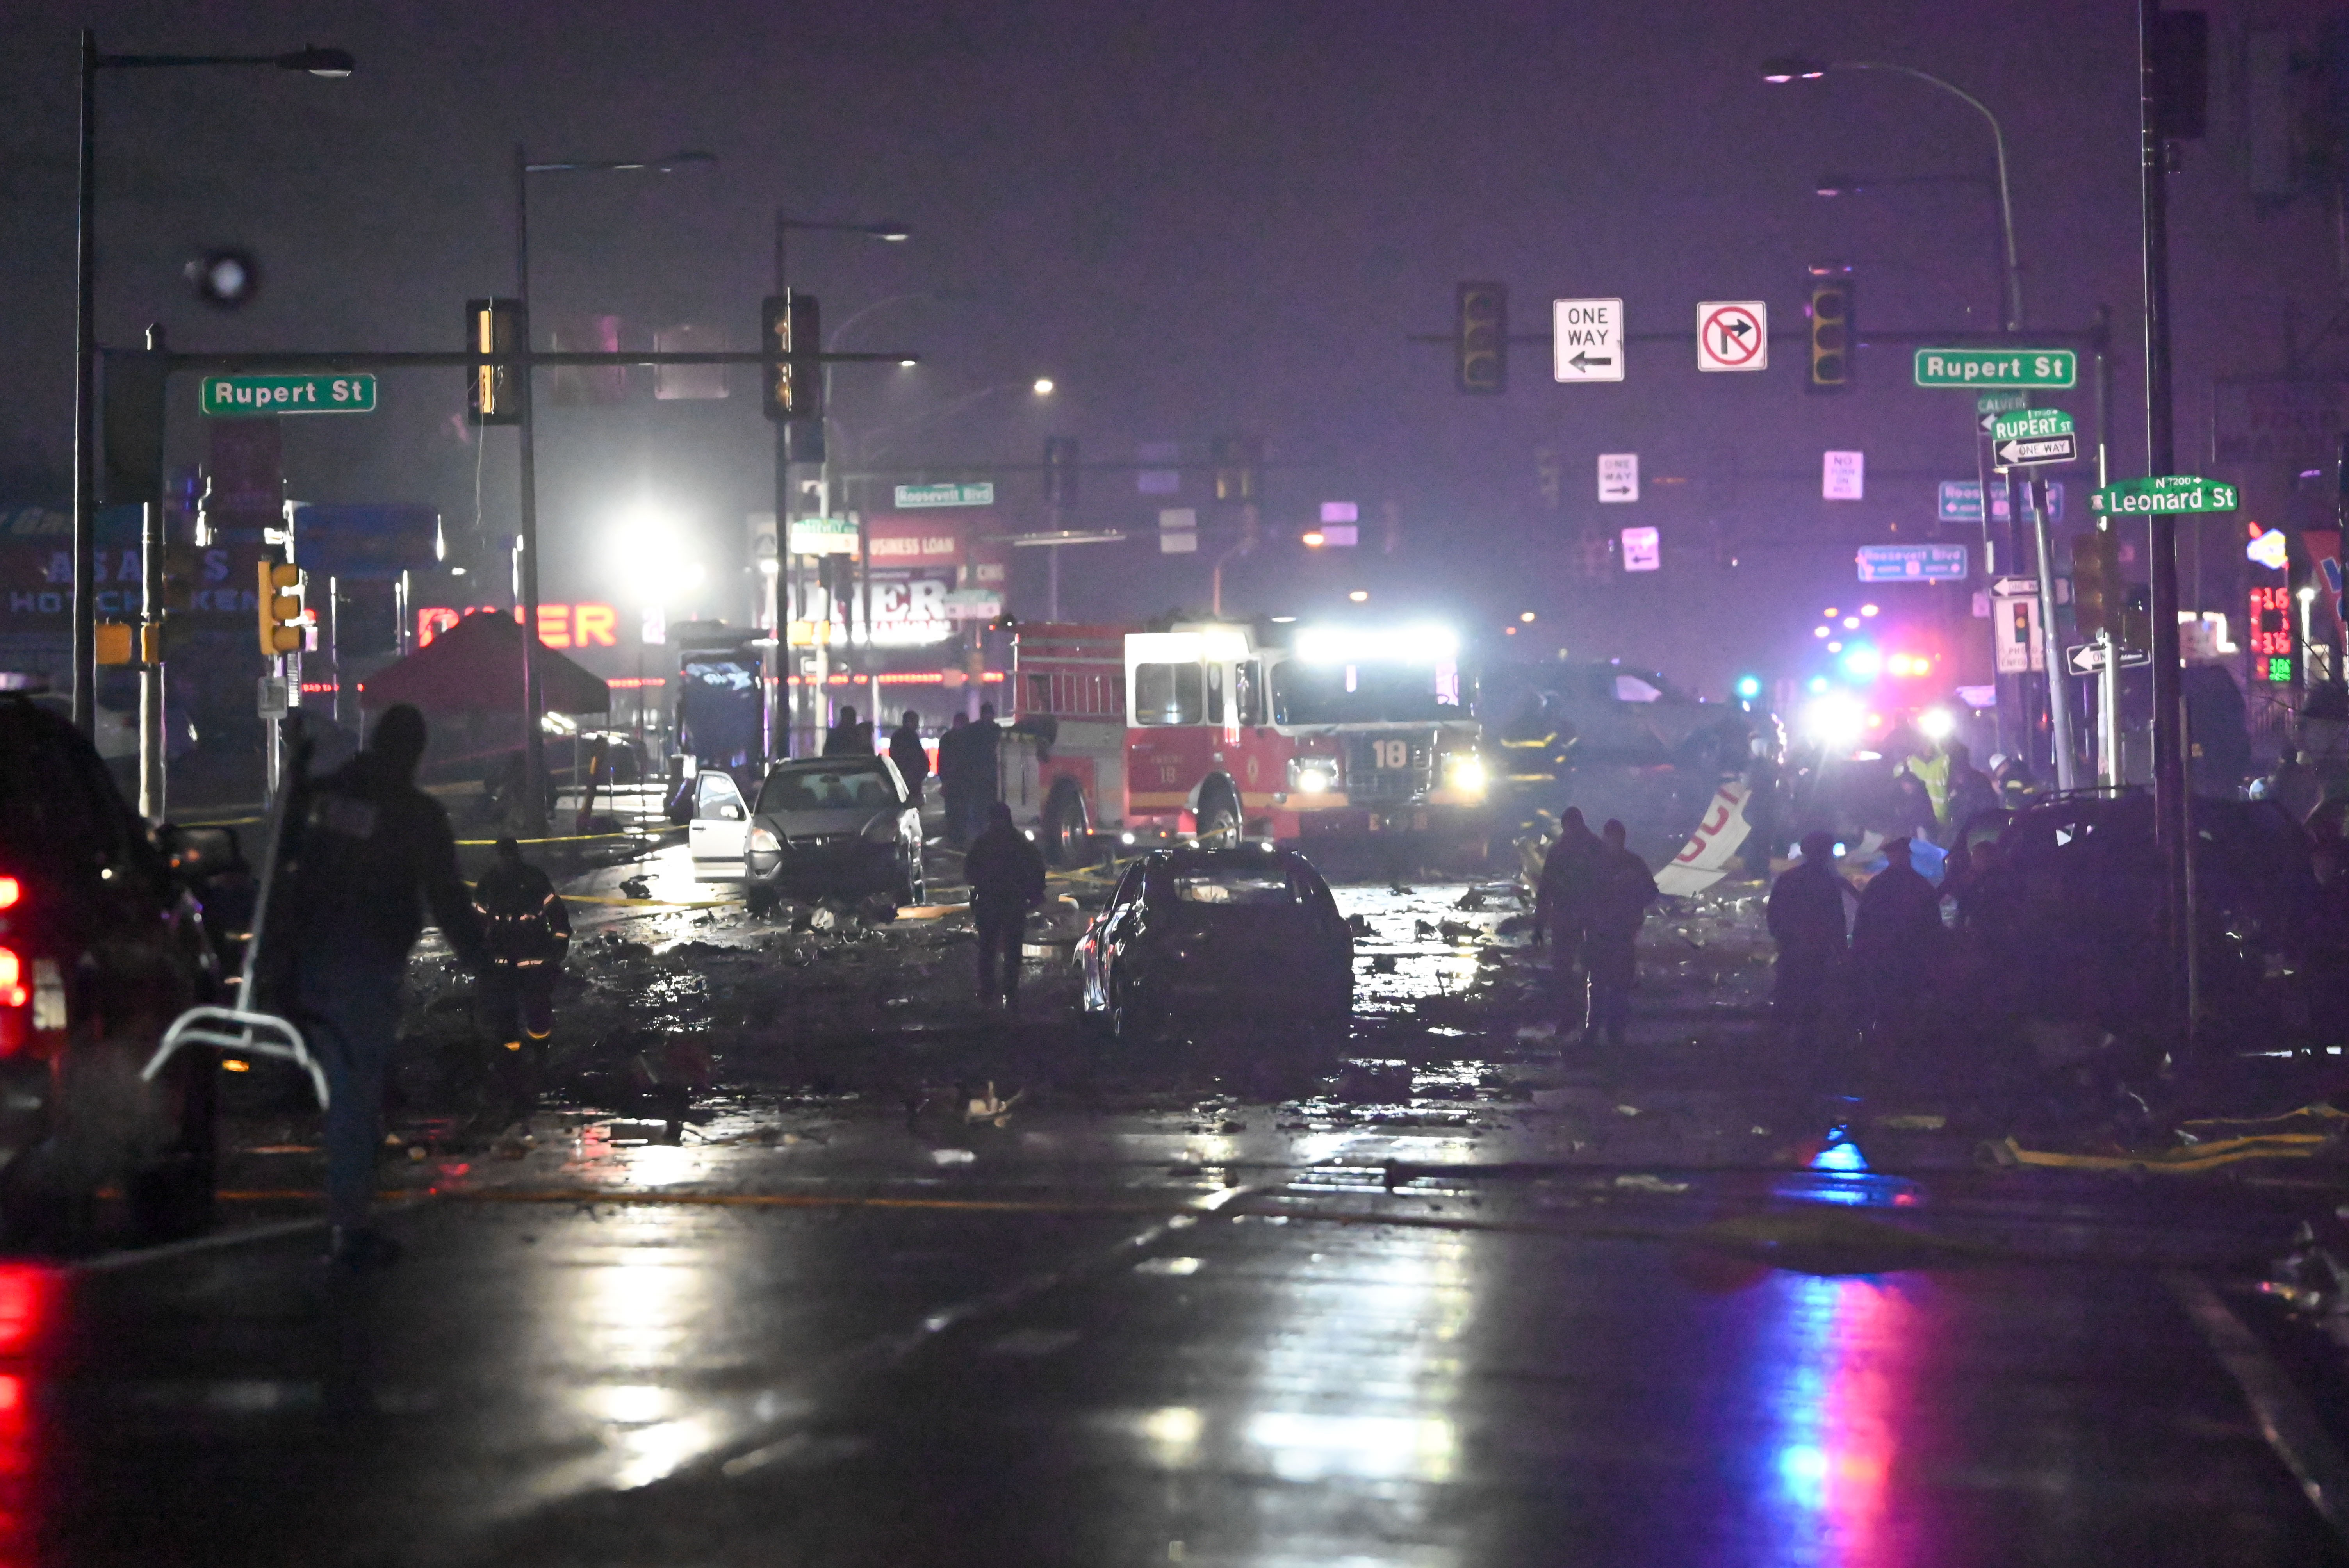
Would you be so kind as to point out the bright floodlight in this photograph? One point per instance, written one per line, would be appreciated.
(1834, 720)
(1043, 386)
(1527, 617)
(1790, 68)
(1869, 609)
(1408, 646)
(644, 549)
(1938, 723)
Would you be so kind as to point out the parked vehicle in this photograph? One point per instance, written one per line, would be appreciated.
(843, 825)
(101, 945)
(1192, 936)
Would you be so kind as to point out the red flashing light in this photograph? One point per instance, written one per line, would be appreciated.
(12, 979)
(25, 1290)
(11, 890)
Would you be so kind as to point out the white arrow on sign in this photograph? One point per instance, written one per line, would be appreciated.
(2088, 659)
(2030, 454)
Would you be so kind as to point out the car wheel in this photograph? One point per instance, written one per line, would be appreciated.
(761, 900)
(1066, 831)
(1219, 815)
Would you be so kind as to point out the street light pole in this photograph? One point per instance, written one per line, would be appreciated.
(1789, 69)
(332, 64)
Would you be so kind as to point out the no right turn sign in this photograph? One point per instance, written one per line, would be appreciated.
(1732, 335)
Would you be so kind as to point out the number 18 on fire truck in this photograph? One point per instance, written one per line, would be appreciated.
(1220, 731)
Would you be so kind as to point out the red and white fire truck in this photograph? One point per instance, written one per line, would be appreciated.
(1219, 731)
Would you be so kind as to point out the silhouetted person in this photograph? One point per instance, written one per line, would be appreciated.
(1971, 791)
(847, 738)
(981, 754)
(905, 750)
(369, 852)
(1562, 911)
(954, 779)
(1621, 888)
(1807, 921)
(1006, 879)
(1896, 940)
(527, 931)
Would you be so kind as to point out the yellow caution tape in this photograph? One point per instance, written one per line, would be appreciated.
(2186, 1160)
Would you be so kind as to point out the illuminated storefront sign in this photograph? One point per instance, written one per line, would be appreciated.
(559, 625)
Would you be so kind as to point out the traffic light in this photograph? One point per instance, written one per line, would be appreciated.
(1059, 471)
(795, 385)
(2096, 587)
(1480, 335)
(278, 604)
(1239, 461)
(495, 327)
(1829, 310)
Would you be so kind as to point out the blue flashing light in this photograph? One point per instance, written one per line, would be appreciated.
(1819, 685)
(1749, 686)
(1863, 661)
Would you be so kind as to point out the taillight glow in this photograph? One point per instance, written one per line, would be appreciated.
(11, 890)
(12, 979)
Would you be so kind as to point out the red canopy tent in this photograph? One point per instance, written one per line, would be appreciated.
(475, 666)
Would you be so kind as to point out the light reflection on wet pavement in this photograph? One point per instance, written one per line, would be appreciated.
(1453, 1297)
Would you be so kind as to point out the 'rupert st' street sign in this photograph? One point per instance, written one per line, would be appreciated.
(1997, 367)
(256, 397)
(2030, 437)
(2165, 492)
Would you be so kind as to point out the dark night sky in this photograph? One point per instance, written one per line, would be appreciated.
(1199, 219)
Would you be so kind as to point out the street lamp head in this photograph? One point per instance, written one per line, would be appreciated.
(1791, 68)
(908, 364)
(1043, 386)
(894, 234)
(331, 64)
(1839, 184)
(690, 159)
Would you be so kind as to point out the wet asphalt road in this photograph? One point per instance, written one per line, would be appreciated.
(1459, 1298)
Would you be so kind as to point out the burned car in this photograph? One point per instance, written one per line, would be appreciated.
(1232, 935)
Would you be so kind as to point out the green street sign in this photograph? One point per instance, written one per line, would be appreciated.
(1997, 367)
(980, 494)
(822, 536)
(2030, 424)
(2164, 494)
(258, 397)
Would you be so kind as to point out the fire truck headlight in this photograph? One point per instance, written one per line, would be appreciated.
(1312, 782)
(1938, 723)
(1467, 773)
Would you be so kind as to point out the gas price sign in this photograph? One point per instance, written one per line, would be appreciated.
(2269, 632)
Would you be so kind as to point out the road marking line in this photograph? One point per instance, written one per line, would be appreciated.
(2285, 1419)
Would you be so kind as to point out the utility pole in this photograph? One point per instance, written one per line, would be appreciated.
(533, 806)
(2171, 816)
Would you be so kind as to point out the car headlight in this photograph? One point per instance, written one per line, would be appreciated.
(1466, 773)
(764, 842)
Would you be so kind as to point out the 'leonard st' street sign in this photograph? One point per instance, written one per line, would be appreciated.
(1997, 367)
(2030, 437)
(2163, 492)
(258, 397)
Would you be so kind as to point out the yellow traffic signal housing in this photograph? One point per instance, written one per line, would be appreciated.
(2096, 587)
(1480, 332)
(1829, 309)
(116, 642)
(790, 325)
(495, 327)
(278, 603)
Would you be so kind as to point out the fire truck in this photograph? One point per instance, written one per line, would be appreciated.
(1217, 731)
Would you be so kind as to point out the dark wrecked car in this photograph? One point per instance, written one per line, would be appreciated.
(2073, 915)
(844, 826)
(101, 945)
(1231, 936)
(1610, 713)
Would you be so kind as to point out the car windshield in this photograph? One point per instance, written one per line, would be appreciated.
(1363, 693)
(1233, 888)
(834, 788)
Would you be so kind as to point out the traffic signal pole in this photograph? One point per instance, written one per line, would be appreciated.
(534, 745)
(2059, 675)
(2171, 816)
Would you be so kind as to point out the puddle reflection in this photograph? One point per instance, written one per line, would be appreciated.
(1841, 1355)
